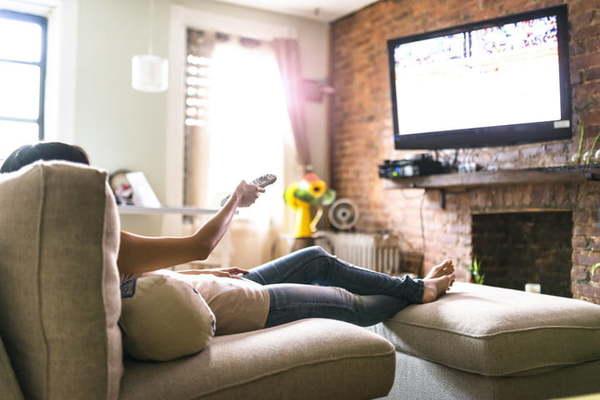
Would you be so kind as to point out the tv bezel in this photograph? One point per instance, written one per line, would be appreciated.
(502, 135)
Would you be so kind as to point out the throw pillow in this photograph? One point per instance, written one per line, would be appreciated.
(164, 318)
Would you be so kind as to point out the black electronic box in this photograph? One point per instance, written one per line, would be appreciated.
(420, 165)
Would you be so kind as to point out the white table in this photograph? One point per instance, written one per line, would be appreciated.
(133, 210)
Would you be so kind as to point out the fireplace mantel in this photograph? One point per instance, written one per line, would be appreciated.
(497, 178)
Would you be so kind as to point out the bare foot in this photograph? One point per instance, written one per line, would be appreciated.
(435, 287)
(441, 269)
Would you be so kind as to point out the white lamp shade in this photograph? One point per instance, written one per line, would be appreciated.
(149, 73)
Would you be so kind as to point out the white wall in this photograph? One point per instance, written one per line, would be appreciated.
(119, 127)
(122, 128)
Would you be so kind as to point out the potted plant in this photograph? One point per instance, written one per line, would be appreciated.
(475, 270)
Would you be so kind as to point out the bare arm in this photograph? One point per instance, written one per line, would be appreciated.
(139, 254)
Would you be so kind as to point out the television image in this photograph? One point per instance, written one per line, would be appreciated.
(498, 82)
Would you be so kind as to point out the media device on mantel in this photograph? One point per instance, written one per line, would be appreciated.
(498, 82)
(420, 165)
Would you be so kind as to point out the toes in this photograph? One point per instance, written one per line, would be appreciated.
(451, 279)
(444, 268)
(447, 269)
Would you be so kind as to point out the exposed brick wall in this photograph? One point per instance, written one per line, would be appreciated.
(361, 133)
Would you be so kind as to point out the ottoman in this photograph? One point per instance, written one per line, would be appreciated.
(482, 342)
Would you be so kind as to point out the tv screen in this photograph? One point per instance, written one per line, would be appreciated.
(491, 83)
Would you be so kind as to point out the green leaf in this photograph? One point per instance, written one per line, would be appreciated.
(328, 197)
(475, 270)
(594, 268)
(304, 195)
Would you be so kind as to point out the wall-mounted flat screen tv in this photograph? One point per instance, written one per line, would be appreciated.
(498, 82)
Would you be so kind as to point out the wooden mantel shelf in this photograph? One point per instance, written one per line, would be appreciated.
(496, 178)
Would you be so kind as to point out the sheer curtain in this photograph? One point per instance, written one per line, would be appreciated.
(247, 134)
(287, 52)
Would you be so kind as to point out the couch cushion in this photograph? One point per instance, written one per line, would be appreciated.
(497, 332)
(306, 359)
(59, 294)
(165, 319)
(419, 379)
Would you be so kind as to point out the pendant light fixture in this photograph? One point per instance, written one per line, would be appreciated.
(149, 72)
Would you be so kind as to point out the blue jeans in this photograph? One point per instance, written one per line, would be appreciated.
(344, 292)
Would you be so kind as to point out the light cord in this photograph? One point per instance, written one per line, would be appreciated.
(150, 30)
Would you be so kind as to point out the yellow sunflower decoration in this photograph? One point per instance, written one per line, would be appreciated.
(311, 191)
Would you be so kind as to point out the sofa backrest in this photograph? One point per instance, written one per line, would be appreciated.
(59, 284)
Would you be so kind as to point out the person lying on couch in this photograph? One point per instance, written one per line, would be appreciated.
(308, 283)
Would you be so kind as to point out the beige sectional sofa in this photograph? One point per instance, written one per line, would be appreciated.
(60, 304)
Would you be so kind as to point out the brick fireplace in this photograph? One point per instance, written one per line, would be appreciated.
(549, 228)
(525, 247)
(361, 138)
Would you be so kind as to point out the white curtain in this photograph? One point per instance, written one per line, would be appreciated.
(248, 134)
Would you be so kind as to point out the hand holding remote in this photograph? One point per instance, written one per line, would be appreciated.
(248, 192)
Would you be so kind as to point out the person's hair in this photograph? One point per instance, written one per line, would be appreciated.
(31, 153)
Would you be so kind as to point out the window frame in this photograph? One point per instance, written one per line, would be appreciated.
(43, 23)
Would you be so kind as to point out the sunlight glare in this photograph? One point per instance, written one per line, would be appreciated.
(248, 122)
(19, 90)
(16, 134)
(28, 47)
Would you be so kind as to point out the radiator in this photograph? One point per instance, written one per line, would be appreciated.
(378, 252)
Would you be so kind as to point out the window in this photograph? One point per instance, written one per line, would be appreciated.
(237, 127)
(237, 124)
(22, 78)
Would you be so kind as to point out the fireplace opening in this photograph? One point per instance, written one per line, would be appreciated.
(525, 247)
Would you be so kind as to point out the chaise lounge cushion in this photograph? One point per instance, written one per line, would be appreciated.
(497, 332)
(306, 359)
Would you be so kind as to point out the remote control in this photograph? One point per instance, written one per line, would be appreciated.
(262, 181)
